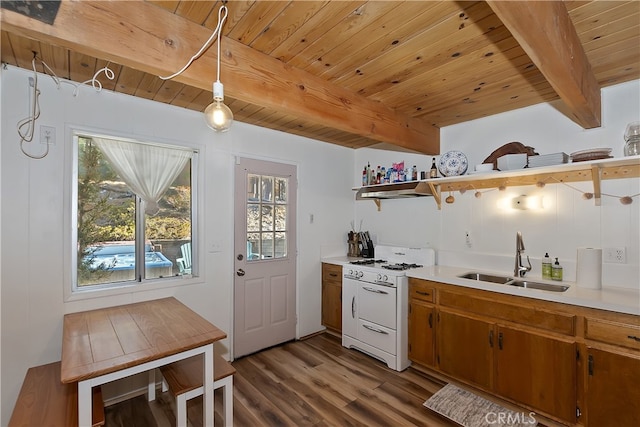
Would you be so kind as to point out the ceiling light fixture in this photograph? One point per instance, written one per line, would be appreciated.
(217, 115)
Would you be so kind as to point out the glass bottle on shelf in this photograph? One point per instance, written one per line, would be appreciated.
(433, 172)
(632, 139)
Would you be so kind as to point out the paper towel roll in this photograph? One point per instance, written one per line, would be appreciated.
(589, 268)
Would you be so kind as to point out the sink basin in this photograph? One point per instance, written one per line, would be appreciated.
(482, 277)
(538, 285)
(507, 280)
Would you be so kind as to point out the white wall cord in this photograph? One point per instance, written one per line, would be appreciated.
(30, 121)
(217, 31)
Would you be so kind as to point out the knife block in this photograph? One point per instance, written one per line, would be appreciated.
(354, 248)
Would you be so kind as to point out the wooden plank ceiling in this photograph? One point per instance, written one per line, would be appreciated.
(353, 73)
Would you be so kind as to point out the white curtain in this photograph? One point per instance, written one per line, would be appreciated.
(147, 169)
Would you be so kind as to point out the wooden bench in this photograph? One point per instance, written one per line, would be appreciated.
(184, 380)
(45, 401)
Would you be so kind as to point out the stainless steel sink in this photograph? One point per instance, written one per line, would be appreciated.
(482, 277)
(539, 285)
(507, 280)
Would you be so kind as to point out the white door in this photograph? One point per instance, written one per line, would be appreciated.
(265, 255)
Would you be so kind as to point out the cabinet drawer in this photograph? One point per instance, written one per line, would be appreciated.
(506, 310)
(377, 336)
(421, 291)
(622, 334)
(331, 272)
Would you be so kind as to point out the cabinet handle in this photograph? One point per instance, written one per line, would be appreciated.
(590, 365)
(500, 340)
(491, 338)
(333, 274)
(422, 293)
(371, 328)
(633, 337)
(430, 320)
(375, 291)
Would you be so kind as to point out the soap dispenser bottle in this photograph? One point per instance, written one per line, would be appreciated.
(546, 266)
(556, 271)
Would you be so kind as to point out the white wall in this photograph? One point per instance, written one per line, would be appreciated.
(34, 208)
(567, 221)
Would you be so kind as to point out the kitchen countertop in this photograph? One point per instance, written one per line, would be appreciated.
(621, 300)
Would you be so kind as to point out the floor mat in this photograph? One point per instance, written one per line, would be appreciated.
(471, 410)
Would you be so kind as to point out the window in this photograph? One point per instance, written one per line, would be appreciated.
(134, 207)
(266, 217)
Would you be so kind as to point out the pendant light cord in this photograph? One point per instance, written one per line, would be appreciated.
(217, 31)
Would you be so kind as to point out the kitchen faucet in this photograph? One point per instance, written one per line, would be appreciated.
(520, 270)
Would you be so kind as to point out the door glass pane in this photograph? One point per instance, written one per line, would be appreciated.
(253, 217)
(267, 189)
(253, 246)
(253, 188)
(281, 217)
(266, 217)
(267, 245)
(281, 190)
(281, 245)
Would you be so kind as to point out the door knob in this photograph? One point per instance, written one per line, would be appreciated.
(240, 272)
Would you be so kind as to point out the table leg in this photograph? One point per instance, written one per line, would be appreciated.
(208, 411)
(84, 403)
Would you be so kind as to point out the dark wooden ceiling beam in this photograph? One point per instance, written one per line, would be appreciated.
(545, 31)
(148, 38)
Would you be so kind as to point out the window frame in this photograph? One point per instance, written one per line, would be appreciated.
(71, 289)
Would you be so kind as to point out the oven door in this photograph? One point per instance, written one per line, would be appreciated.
(377, 304)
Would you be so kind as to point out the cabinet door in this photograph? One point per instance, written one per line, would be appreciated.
(613, 394)
(537, 370)
(332, 305)
(421, 332)
(465, 348)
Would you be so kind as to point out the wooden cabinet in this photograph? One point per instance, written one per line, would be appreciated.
(517, 349)
(332, 296)
(612, 370)
(537, 370)
(421, 323)
(612, 389)
(465, 348)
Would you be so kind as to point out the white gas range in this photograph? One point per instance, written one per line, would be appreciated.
(375, 302)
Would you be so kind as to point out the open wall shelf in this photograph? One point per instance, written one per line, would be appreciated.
(595, 171)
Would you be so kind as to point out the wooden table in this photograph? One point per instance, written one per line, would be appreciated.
(100, 346)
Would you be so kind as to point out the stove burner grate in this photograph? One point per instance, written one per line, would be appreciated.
(401, 266)
(367, 261)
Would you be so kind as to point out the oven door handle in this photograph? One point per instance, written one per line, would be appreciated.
(353, 307)
(371, 328)
(376, 291)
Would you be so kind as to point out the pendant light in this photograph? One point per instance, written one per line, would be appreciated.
(217, 115)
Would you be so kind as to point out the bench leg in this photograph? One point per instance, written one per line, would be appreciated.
(181, 410)
(151, 386)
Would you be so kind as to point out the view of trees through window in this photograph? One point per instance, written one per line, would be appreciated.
(106, 224)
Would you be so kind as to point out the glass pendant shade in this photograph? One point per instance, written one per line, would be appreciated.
(217, 115)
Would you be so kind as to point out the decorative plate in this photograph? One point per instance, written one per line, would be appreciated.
(591, 154)
(453, 163)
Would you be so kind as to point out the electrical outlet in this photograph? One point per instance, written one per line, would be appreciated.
(467, 238)
(47, 135)
(615, 255)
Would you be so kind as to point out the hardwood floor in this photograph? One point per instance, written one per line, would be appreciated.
(313, 382)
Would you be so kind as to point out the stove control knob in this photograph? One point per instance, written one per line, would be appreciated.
(379, 278)
(350, 273)
(360, 274)
(385, 278)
